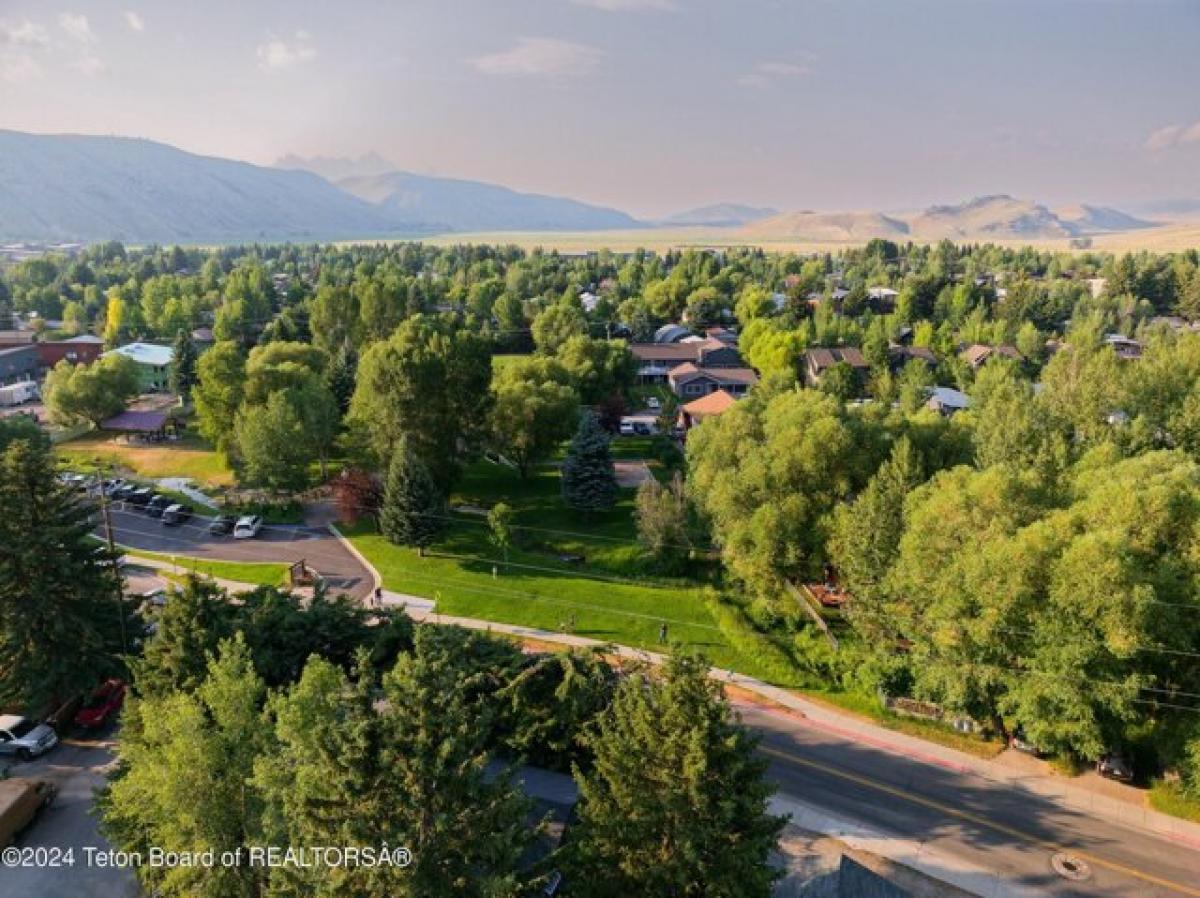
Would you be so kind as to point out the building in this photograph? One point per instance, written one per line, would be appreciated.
(978, 354)
(154, 364)
(819, 360)
(946, 400)
(900, 355)
(19, 363)
(710, 406)
(81, 350)
(688, 380)
(1127, 350)
(655, 360)
(670, 333)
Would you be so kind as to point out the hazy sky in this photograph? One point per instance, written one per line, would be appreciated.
(648, 105)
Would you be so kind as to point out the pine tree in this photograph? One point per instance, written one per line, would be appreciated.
(675, 803)
(343, 372)
(589, 483)
(63, 620)
(413, 510)
(183, 365)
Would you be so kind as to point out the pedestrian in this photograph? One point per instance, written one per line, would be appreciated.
(378, 596)
(662, 633)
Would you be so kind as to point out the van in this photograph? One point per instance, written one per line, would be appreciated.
(21, 800)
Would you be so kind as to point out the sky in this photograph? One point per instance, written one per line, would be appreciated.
(651, 106)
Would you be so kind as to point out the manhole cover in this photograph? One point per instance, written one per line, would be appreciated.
(1070, 867)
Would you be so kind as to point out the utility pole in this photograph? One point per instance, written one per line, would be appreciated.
(112, 558)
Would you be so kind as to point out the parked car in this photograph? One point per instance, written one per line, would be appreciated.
(1115, 766)
(247, 527)
(222, 524)
(124, 491)
(21, 800)
(140, 496)
(176, 514)
(158, 504)
(111, 487)
(627, 429)
(653, 403)
(102, 705)
(24, 739)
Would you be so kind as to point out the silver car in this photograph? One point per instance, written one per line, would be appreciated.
(24, 739)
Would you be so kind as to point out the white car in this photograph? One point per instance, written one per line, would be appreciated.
(247, 527)
(653, 403)
(25, 739)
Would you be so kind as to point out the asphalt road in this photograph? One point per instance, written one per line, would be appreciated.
(276, 542)
(78, 769)
(980, 823)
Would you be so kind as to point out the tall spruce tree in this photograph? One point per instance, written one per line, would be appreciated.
(63, 620)
(675, 804)
(413, 510)
(343, 373)
(183, 365)
(589, 482)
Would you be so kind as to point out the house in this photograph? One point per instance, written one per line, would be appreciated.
(882, 299)
(710, 406)
(688, 380)
(153, 363)
(978, 354)
(81, 350)
(670, 333)
(1127, 350)
(819, 359)
(19, 363)
(946, 400)
(589, 301)
(900, 355)
(721, 335)
(655, 360)
(203, 337)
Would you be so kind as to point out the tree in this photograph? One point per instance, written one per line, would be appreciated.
(532, 412)
(427, 384)
(414, 509)
(556, 324)
(589, 482)
(598, 369)
(676, 800)
(357, 492)
(63, 619)
(320, 418)
(661, 514)
(220, 386)
(500, 527)
(342, 373)
(185, 781)
(277, 366)
(90, 393)
(190, 628)
(183, 369)
(410, 769)
(273, 448)
(841, 382)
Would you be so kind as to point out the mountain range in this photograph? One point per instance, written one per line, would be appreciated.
(92, 188)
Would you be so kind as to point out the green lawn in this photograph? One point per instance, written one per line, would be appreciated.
(1168, 798)
(267, 573)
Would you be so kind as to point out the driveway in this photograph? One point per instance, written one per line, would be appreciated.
(287, 543)
(78, 769)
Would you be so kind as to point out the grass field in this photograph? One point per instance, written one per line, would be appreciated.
(268, 573)
(189, 457)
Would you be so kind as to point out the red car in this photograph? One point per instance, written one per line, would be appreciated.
(102, 706)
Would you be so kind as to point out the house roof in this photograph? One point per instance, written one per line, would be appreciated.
(688, 371)
(706, 406)
(137, 422)
(914, 352)
(145, 353)
(978, 353)
(670, 333)
(948, 397)
(821, 358)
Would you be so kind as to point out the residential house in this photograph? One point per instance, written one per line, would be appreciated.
(655, 360)
(721, 335)
(882, 299)
(19, 363)
(978, 354)
(946, 400)
(710, 406)
(900, 355)
(1127, 350)
(819, 360)
(153, 364)
(688, 380)
(81, 350)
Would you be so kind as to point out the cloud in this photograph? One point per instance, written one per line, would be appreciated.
(628, 5)
(277, 53)
(23, 34)
(92, 66)
(76, 26)
(19, 68)
(766, 73)
(1172, 136)
(541, 57)
(134, 21)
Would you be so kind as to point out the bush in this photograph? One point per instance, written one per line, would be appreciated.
(763, 654)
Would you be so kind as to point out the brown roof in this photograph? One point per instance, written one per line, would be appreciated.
(687, 371)
(665, 352)
(978, 353)
(924, 353)
(820, 358)
(707, 406)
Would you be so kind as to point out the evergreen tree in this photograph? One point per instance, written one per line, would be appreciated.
(63, 620)
(183, 365)
(343, 372)
(413, 510)
(589, 482)
(676, 802)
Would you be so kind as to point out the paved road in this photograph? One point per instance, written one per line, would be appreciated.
(78, 769)
(287, 543)
(980, 823)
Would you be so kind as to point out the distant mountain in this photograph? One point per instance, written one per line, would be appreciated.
(457, 205)
(998, 217)
(1179, 207)
(75, 187)
(335, 168)
(1100, 219)
(720, 215)
(821, 227)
